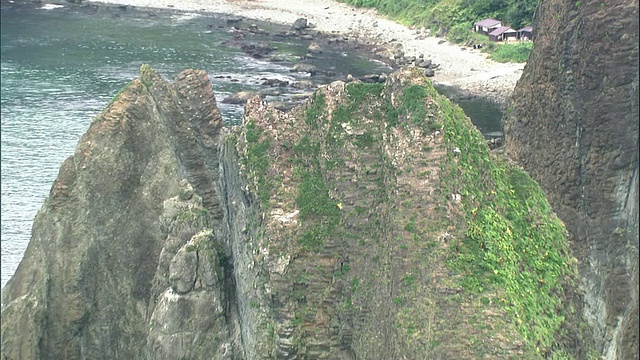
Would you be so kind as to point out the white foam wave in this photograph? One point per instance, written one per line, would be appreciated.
(51, 6)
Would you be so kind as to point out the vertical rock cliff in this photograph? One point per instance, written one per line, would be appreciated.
(121, 264)
(372, 222)
(573, 125)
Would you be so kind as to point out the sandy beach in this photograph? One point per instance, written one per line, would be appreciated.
(467, 69)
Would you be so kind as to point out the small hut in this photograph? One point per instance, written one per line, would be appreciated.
(486, 26)
(503, 33)
(526, 33)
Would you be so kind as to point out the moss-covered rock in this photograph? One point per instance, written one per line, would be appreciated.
(371, 222)
(406, 236)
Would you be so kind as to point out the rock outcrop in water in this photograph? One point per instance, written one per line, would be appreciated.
(573, 125)
(372, 223)
(122, 253)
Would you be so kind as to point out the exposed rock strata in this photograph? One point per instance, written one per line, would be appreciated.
(573, 124)
(327, 232)
(115, 245)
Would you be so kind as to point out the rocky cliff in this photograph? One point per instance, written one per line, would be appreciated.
(120, 254)
(372, 222)
(573, 125)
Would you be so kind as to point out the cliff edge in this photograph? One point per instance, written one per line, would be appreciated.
(573, 125)
(118, 249)
(371, 222)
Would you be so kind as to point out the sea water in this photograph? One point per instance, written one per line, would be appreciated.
(60, 66)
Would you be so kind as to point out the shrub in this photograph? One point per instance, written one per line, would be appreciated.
(461, 32)
(512, 52)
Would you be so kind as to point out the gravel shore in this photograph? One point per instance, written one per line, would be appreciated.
(466, 69)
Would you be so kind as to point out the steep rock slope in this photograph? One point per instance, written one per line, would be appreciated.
(372, 222)
(385, 230)
(116, 259)
(573, 125)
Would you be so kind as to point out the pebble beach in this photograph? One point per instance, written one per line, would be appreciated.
(466, 69)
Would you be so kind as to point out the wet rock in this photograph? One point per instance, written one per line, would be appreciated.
(240, 97)
(314, 48)
(370, 78)
(429, 72)
(270, 92)
(304, 67)
(259, 50)
(300, 24)
(254, 29)
(277, 58)
(303, 84)
(274, 82)
(234, 21)
(285, 34)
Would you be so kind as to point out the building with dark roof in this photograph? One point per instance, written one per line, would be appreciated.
(486, 26)
(526, 33)
(503, 33)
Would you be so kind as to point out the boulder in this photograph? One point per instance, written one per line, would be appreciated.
(300, 24)
(258, 50)
(424, 63)
(274, 82)
(182, 270)
(304, 67)
(370, 78)
(234, 21)
(314, 48)
(240, 97)
(303, 84)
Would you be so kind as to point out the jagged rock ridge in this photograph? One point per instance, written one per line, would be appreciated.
(573, 125)
(371, 222)
(119, 237)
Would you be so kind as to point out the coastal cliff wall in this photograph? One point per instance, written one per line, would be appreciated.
(573, 125)
(119, 246)
(371, 222)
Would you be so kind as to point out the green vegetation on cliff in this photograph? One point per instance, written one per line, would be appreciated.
(450, 13)
(397, 187)
(455, 18)
(513, 240)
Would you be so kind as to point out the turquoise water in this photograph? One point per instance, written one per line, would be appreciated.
(60, 67)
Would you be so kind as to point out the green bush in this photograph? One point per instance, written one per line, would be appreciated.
(516, 53)
(461, 33)
(449, 13)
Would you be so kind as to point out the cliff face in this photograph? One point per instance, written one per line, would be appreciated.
(116, 259)
(573, 125)
(371, 222)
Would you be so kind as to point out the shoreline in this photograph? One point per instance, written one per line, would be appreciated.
(469, 71)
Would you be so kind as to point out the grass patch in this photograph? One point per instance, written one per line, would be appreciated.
(257, 159)
(516, 53)
(412, 104)
(319, 151)
(513, 241)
